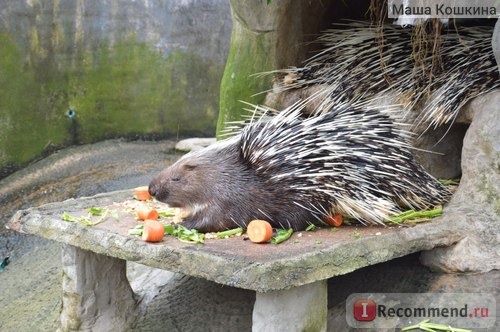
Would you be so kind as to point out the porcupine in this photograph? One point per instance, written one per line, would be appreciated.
(346, 159)
(363, 63)
(293, 171)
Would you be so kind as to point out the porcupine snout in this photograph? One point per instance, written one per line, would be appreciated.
(157, 189)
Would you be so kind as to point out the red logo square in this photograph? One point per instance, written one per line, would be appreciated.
(364, 310)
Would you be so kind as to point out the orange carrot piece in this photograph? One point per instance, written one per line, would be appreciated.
(259, 231)
(335, 220)
(153, 231)
(145, 212)
(142, 193)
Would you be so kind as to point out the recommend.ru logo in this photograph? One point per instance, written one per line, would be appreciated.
(390, 310)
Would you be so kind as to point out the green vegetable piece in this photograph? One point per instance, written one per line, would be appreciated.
(311, 227)
(184, 234)
(229, 233)
(415, 215)
(114, 215)
(426, 325)
(169, 229)
(281, 236)
(67, 217)
(95, 211)
(170, 212)
(85, 220)
(449, 182)
(135, 231)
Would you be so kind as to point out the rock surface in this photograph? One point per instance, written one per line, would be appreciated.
(193, 144)
(476, 203)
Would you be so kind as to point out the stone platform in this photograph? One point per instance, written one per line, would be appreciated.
(289, 278)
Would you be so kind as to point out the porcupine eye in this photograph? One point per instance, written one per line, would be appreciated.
(189, 167)
(185, 168)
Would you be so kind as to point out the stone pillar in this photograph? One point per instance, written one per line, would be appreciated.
(96, 293)
(301, 308)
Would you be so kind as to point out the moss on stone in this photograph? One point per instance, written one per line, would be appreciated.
(490, 194)
(127, 89)
(28, 124)
(249, 53)
(132, 90)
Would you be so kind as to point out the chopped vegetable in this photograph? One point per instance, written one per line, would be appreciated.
(311, 227)
(95, 211)
(153, 231)
(259, 231)
(229, 232)
(416, 216)
(184, 234)
(449, 182)
(86, 220)
(180, 232)
(282, 235)
(145, 212)
(170, 212)
(335, 220)
(142, 193)
(137, 230)
(426, 325)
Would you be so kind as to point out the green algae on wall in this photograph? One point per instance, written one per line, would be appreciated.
(123, 90)
(249, 53)
(29, 122)
(131, 90)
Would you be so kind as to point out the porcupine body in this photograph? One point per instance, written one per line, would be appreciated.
(361, 63)
(292, 171)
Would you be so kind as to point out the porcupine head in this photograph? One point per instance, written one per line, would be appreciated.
(220, 191)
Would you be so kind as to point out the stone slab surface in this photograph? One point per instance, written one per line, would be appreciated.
(235, 262)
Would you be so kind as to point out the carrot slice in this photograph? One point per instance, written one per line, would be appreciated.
(335, 220)
(153, 231)
(142, 193)
(259, 231)
(145, 212)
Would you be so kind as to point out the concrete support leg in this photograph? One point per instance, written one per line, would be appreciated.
(301, 308)
(96, 293)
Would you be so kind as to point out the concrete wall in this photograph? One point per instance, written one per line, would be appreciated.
(75, 71)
